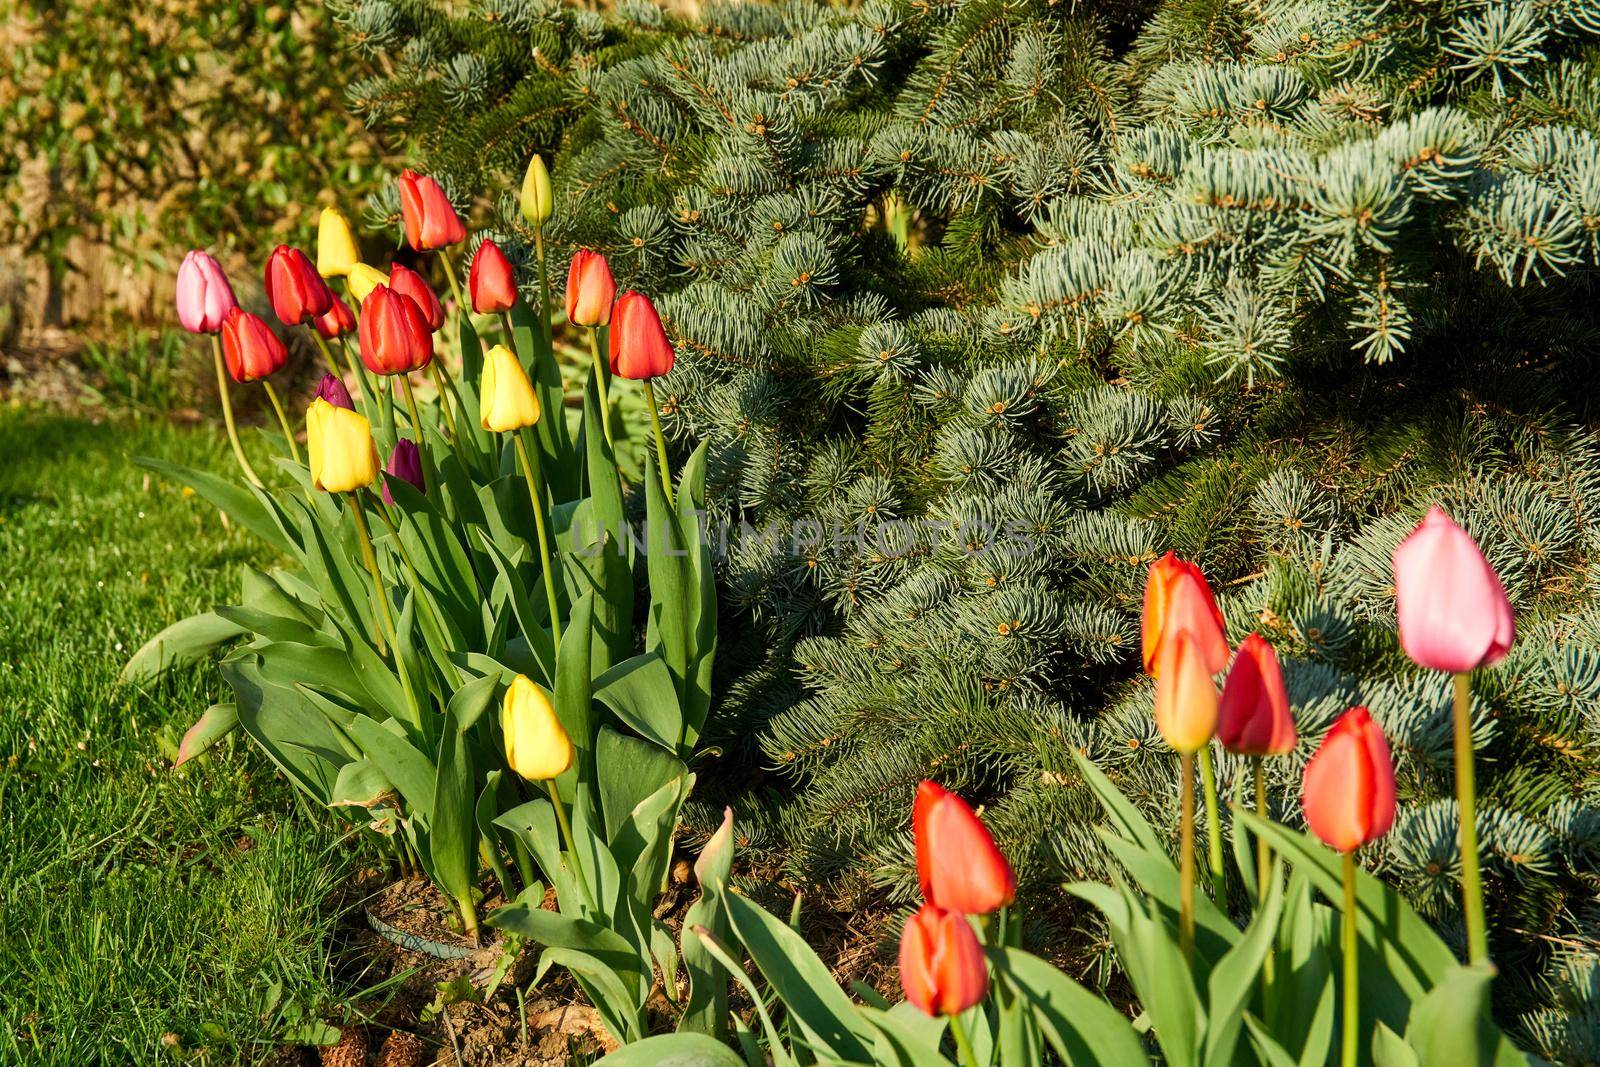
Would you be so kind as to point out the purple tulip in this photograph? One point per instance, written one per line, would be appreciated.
(204, 295)
(405, 463)
(333, 391)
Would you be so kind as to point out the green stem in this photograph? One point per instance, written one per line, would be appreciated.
(600, 374)
(1213, 825)
(447, 391)
(227, 414)
(416, 423)
(1349, 1045)
(1467, 802)
(356, 371)
(545, 334)
(530, 470)
(572, 845)
(469, 916)
(283, 420)
(455, 287)
(958, 1030)
(1263, 850)
(661, 442)
(1186, 858)
(370, 557)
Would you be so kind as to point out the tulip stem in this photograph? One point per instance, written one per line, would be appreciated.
(227, 415)
(530, 469)
(370, 557)
(600, 386)
(958, 1030)
(1348, 1046)
(455, 287)
(1467, 803)
(447, 389)
(572, 845)
(283, 420)
(1263, 850)
(1186, 857)
(661, 442)
(1208, 778)
(545, 331)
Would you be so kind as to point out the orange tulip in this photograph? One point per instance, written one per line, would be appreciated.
(1348, 793)
(639, 346)
(941, 963)
(958, 865)
(1176, 597)
(590, 289)
(430, 219)
(1186, 697)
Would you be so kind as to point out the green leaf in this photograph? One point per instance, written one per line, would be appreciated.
(629, 771)
(294, 735)
(1124, 816)
(574, 689)
(907, 1038)
(362, 784)
(217, 722)
(1080, 1026)
(1451, 1024)
(667, 566)
(184, 642)
(1233, 979)
(674, 1050)
(410, 770)
(241, 504)
(706, 1010)
(641, 692)
(452, 826)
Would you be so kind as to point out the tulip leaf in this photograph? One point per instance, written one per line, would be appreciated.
(526, 917)
(452, 826)
(1124, 816)
(906, 1039)
(641, 693)
(361, 784)
(666, 563)
(574, 688)
(217, 722)
(1452, 1025)
(264, 593)
(629, 772)
(1080, 1026)
(411, 772)
(1233, 980)
(276, 627)
(483, 814)
(1165, 985)
(700, 609)
(238, 502)
(295, 736)
(599, 569)
(1268, 1051)
(706, 1009)
(534, 824)
(184, 642)
(555, 437)
(830, 1021)
(436, 550)
(674, 1050)
(530, 618)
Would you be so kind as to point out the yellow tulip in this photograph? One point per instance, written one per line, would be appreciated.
(343, 457)
(537, 200)
(336, 246)
(506, 400)
(363, 279)
(1186, 697)
(537, 745)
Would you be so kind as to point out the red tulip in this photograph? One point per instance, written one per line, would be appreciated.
(1348, 795)
(590, 289)
(297, 291)
(395, 338)
(1186, 697)
(1453, 611)
(408, 282)
(492, 282)
(430, 219)
(1253, 718)
(337, 321)
(958, 865)
(941, 963)
(1176, 597)
(639, 346)
(250, 348)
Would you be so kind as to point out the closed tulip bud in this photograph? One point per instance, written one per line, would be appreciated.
(941, 963)
(506, 400)
(1186, 697)
(1348, 794)
(204, 295)
(395, 338)
(537, 201)
(363, 279)
(492, 282)
(405, 463)
(337, 321)
(639, 346)
(1453, 611)
(343, 457)
(430, 219)
(332, 389)
(537, 745)
(250, 348)
(297, 292)
(407, 282)
(958, 865)
(1176, 598)
(590, 289)
(1253, 718)
(336, 245)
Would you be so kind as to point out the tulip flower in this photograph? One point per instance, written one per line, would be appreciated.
(1348, 798)
(405, 463)
(430, 219)
(337, 253)
(1186, 715)
(395, 338)
(941, 965)
(539, 749)
(343, 456)
(958, 865)
(590, 289)
(1253, 716)
(332, 390)
(297, 292)
(1176, 598)
(1454, 616)
(363, 279)
(491, 281)
(408, 282)
(337, 321)
(639, 346)
(204, 295)
(249, 346)
(204, 300)
(537, 203)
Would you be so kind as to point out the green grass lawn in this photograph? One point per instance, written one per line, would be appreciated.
(136, 901)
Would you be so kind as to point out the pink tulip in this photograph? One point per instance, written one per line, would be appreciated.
(1453, 612)
(204, 295)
